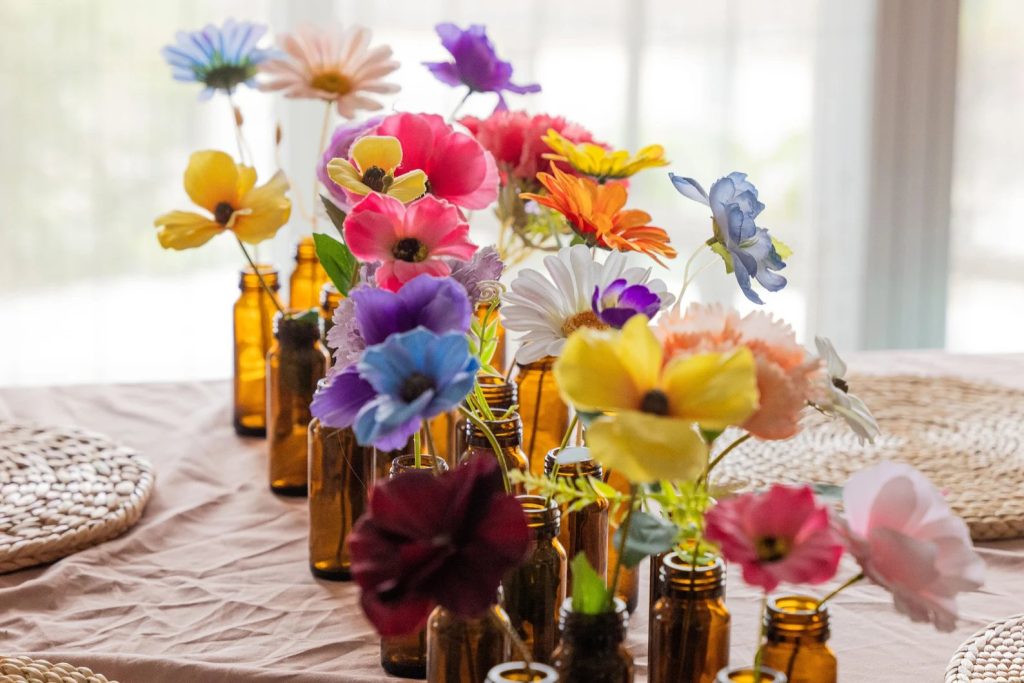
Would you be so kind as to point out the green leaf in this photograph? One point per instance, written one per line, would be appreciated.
(648, 535)
(589, 594)
(782, 249)
(337, 260)
(336, 215)
(720, 249)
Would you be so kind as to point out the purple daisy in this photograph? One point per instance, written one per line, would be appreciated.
(620, 301)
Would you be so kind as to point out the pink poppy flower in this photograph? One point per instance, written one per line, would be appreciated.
(458, 168)
(407, 240)
(907, 540)
(781, 535)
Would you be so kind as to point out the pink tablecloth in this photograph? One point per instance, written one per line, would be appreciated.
(212, 585)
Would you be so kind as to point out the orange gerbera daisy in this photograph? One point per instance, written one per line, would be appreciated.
(595, 213)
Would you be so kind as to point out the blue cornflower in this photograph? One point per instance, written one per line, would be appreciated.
(220, 58)
(748, 250)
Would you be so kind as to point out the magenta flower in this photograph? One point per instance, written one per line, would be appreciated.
(778, 536)
(476, 64)
(620, 301)
(446, 540)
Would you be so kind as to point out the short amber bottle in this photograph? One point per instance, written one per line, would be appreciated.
(534, 591)
(797, 640)
(340, 476)
(295, 364)
(545, 416)
(628, 589)
(465, 650)
(307, 277)
(592, 648)
(586, 530)
(406, 656)
(520, 672)
(745, 674)
(330, 297)
(486, 316)
(499, 395)
(688, 632)
(254, 330)
(508, 433)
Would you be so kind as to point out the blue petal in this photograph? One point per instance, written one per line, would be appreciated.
(743, 278)
(689, 188)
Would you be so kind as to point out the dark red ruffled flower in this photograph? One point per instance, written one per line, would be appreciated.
(436, 540)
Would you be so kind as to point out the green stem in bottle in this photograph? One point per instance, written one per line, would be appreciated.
(561, 447)
(416, 448)
(430, 444)
(517, 641)
(319, 150)
(622, 547)
(495, 446)
(721, 456)
(853, 580)
(259, 276)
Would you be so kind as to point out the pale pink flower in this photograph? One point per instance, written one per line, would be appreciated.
(907, 540)
(332, 65)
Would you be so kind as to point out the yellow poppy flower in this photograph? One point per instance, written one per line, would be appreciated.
(376, 157)
(597, 162)
(651, 412)
(227, 190)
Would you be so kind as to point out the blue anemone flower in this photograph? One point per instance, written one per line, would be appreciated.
(220, 58)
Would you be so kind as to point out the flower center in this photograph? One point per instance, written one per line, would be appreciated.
(377, 179)
(584, 319)
(332, 82)
(841, 384)
(771, 549)
(409, 249)
(655, 402)
(228, 76)
(222, 214)
(414, 386)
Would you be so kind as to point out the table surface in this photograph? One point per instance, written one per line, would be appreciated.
(212, 584)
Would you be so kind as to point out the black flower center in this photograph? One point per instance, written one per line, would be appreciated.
(655, 402)
(409, 249)
(227, 76)
(771, 549)
(426, 185)
(222, 214)
(414, 386)
(376, 178)
(841, 384)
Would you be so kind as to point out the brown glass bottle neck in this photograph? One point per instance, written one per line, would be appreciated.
(507, 432)
(544, 365)
(296, 333)
(794, 618)
(571, 470)
(249, 282)
(407, 463)
(329, 300)
(682, 580)
(595, 633)
(499, 394)
(543, 516)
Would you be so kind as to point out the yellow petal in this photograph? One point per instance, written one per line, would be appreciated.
(382, 151)
(594, 375)
(246, 179)
(641, 352)
(646, 448)
(409, 186)
(346, 175)
(713, 389)
(185, 230)
(263, 211)
(212, 178)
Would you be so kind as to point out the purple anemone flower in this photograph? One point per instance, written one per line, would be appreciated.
(478, 274)
(620, 301)
(475, 65)
(341, 140)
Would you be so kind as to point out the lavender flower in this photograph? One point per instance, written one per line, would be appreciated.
(478, 274)
(341, 140)
(219, 58)
(620, 301)
(344, 336)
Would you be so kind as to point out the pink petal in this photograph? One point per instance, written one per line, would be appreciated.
(373, 227)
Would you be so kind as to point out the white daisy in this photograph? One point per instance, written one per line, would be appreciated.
(546, 311)
(838, 401)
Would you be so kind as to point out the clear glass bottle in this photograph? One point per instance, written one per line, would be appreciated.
(628, 589)
(340, 475)
(688, 631)
(592, 648)
(534, 591)
(295, 364)
(545, 416)
(307, 277)
(583, 531)
(517, 672)
(465, 650)
(745, 674)
(499, 395)
(508, 433)
(406, 656)
(254, 329)
(498, 361)
(797, 640)
(330, 297)
(382, 460)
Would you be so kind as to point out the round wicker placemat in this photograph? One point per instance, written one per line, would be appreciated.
(62, 490)
(968, 438)
(25, 670)
(994, 654)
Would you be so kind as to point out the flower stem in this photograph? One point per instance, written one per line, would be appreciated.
(482, 426)
(319, 150)
(561, 447)
(517, 641)
(721, 456)
(236, 117)
(459, 105)
(686, 274)
(759, 655)
(416, 448)
(622, 548)
(839, 590)
(259, 276)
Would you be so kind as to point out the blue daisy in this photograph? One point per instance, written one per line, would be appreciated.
(220, 58)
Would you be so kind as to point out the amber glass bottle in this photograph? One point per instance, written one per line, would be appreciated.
(519, 672)
(629, 578)
(465, 650)
(499, 395)
(294, 366)
(583, 531)
(746, 675)
(340, 475)
(534, 591)
(254, 330)
(498, 360)
(330, 297)
(508, 432)
(442, 435)
(592, 648)
(688, 635)
(797, 644)
(545, 416)
(307, 277)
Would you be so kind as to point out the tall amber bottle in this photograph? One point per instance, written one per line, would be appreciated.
(254, 330)
(545, 416)
(340, 475)
(406, 656)
(534, 591)
(797, 644)
(465, 650)
(688, 632)
(592, 648)
(498, 361)
(307, 277)
(294, 366)
(330, 297)
(499, 395)
(583, 531)
(629, 577)
(508, 433)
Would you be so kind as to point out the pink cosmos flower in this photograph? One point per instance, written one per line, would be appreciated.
(907, 540)
(407, 240)
(458, 168)
(780, 535)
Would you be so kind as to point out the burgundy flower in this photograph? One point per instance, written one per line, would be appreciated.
(436, 540)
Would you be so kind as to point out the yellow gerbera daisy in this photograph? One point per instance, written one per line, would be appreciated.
(649, 430)
(597, 162)
(376, 157)
(227, 190)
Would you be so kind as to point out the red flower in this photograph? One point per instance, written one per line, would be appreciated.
(436, 540)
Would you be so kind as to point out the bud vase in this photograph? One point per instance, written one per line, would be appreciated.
(253, 331)
(592, 648)
(797, 640)
(307, 277)
(545, 417)
(463, 650)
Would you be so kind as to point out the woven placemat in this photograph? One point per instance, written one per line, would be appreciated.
(994, 654)
(968, 438)
(26, 670)
(64, 489)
